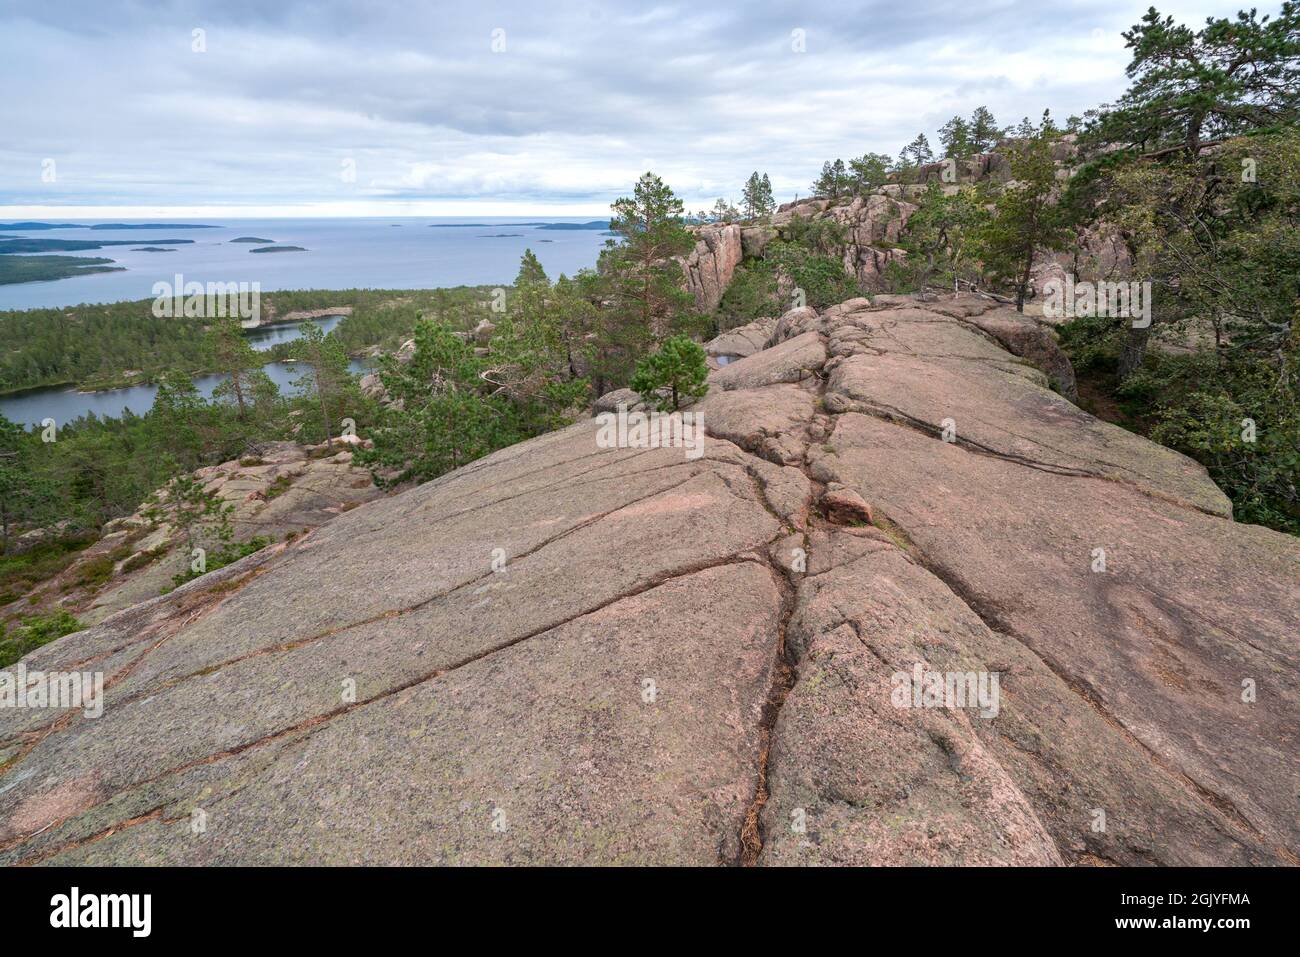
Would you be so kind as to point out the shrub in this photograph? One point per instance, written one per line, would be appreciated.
(679, 367)
(34, 631)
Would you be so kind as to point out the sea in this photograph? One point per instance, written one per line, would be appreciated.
(403, 253)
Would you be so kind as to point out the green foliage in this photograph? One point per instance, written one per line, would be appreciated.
(227, 554)
(21, 571)
(28, 268)
(869, 172)
(1026, 218)
(916, 153)
(1237, 419)
(93, 346)
(534, 350)
(638, 283)
(820, 277)
(940, 240)
(34, 631)
(756, 198)
(246, 385)
(860, 177)
(1231, 411)
(201, 517)
(679, 367)
(751, 295)
(445, 419)
(1218, 237)
(325, 376)
(1231, 76)
(27, 498)
(822, 236)
(984, 131)
(834, 182)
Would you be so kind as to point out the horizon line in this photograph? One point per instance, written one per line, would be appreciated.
(415, 210)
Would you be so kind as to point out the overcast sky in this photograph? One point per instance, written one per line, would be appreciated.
(379, 107)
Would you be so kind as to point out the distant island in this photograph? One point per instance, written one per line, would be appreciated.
(278, 249)
(152, 249)
(29, 245)
(151, 226)
(501, 236)
(32, 227)
(42, 268)
(592, 224)
(250, 239)
(16, 269)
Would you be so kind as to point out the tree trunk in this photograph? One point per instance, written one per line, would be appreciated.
(1134, 351)
(1194, 137)
(1023, 286)
(236, 375)
(325, 416)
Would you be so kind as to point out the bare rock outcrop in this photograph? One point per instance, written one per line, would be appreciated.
(903, 605)
(709, 267)
(281, 489)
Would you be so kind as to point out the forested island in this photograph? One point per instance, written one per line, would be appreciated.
(15, 269)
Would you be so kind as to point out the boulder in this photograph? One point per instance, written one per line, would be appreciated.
(743, 340)
(610, 401)
(754, 239)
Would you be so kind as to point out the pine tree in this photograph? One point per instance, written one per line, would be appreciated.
(869, 172)
(985, 133)
(230, 353)
(200, 517)
(955, 138)
(445, 419)
(916, 153)
(723, 212)
(531, 353)
(643, 295)
(749, 196)
(1026, 218)
(325, 374)
(680, 367)
(756, 198)
(939, 235)
(833, 181)
(1229, 77)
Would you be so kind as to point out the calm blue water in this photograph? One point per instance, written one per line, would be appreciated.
(399, 253)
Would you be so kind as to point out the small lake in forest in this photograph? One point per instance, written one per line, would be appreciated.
(64, 404)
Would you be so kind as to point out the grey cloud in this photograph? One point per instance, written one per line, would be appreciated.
(584, 95)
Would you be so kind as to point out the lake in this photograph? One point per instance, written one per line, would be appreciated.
(63, 404)
(402, 253)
